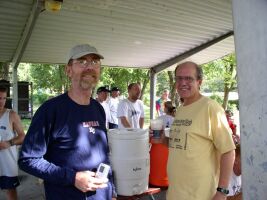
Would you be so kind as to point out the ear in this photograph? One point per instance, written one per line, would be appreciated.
(68, 70)
(200, 82)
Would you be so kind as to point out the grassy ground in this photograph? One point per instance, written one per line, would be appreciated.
(26, 124)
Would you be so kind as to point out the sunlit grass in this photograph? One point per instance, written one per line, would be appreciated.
(26, 123)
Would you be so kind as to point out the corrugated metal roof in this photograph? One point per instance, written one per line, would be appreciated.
(211, 53)
(13, 17)
(140, 33)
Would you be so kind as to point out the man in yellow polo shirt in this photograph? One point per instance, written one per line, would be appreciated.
(201, 149)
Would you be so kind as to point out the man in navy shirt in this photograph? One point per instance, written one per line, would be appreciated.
(67, 139)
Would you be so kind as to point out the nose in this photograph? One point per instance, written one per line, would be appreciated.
(89, 68)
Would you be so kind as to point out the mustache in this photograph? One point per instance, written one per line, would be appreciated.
(90, 73)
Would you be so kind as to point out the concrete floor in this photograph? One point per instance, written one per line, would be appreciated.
(30, 188)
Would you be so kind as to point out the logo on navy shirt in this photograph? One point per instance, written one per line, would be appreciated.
(90, 125)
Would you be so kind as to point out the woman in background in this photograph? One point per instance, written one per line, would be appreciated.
(159, 152)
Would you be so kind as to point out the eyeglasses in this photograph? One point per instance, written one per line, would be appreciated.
(188, 79)
(85, 63)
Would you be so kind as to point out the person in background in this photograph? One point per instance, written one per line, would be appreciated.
(235, 192)
(169, 109)
(230, 120)
(201, 149)
(159, 152)
(131, 110)
(67, 138)
(102, 95)
(11, 135)
(113, 107)
(160, 102)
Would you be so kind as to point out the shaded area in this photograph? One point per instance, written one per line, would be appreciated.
(31, 188)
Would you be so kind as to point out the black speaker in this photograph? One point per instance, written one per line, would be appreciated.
(23, 96)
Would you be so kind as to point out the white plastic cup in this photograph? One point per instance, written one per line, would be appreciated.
(167, 132)
(156, 126)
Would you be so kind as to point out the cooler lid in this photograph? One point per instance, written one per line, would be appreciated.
(129, 133)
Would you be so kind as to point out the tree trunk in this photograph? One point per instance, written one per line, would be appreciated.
(144, 85)
(172, 86)
(173, 93)
(228, 87)
(225, 98)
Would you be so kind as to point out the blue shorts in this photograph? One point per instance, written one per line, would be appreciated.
(9, 182)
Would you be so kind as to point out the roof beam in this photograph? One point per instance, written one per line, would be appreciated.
(36, 9)
(153, 83)
(158, 68)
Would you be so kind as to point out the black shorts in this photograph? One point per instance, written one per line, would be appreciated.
(9, 182)
(112, 126)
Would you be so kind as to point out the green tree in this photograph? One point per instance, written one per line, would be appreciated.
(165, 80)
(4, 69)
(162, 82)
(50, 77)
(174, 95)
(220, 75)
(24, 72)
(119, 77)
(122, 77)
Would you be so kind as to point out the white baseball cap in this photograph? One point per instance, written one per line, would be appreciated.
(82, 50)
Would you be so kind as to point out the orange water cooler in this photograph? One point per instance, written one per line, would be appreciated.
(158, 165)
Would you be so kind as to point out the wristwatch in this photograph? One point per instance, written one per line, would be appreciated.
(225, 191)
(11, 142)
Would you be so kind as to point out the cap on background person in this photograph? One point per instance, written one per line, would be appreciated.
(103, 89)
(82, 50)
(115, 89)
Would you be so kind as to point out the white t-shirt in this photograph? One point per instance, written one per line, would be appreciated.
(107, 111)
(167, 120)
(133, 111)
(113, 107)
(235, 185)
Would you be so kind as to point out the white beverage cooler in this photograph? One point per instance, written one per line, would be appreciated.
(129, 157)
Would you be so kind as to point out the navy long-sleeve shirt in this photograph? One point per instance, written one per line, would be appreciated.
(64, 138)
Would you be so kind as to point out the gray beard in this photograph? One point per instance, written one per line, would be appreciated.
(87, 85)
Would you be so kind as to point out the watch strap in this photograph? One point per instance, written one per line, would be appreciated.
(11, 143)
(225, 191)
